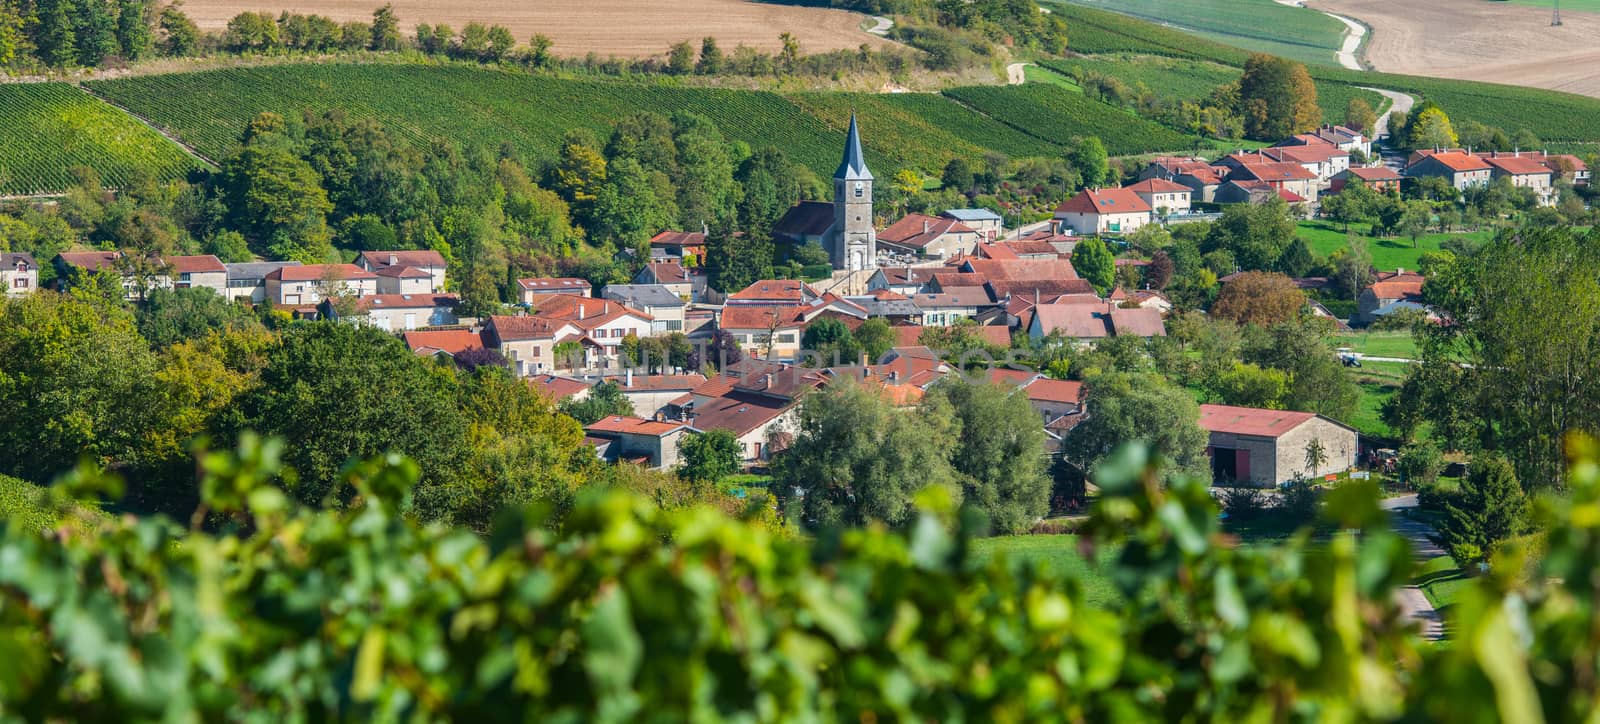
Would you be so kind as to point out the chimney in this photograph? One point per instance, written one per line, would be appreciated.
(766, 381)
(894, 375)
(580, 312)
(926, 226)
(627, 380)
(393, 260)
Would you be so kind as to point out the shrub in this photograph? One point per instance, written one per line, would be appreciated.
(1243, 503)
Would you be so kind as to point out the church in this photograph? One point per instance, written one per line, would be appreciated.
(843, 227)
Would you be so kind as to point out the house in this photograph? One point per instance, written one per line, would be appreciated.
(807, 222)
(1254, 192)
(665, 307)
(307, 285)
(669, 274)
(754, 400)
(929, 236)
(426, 260)
(1381, 179)
(902, 279)
(944, 308)
(443, 342)
(893, 306)
(651, 443)
(1391, 292)
(987, 223)
(204, 271)
(397, 312)
(1526, 171)
(1033, 250)
(603, 323)
(1323, 160)
(1281, 176)
(683, 246)
(1053, 399)
(558, 389)
(1343, 138)
(19, 274)
(73, 265)
(1194, 173)
(1166, 198)
(1103, 211)
(528, 343)
(1461, 169)
(844, 227)
(1567, 166)
(248, 280)
(652, 394)
(775, 291)
(775, 331)
(528, 289)
(1268, 447)
(1087, 322)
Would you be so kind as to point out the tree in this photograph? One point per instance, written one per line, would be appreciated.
(95, 31)
(832, 340)
(338, 391)
(1420, 463)
(604, 400)
(957, 176)
(735, 261)
(1256, 234)
(1133, 406)
(769, 186)
(1000, 459)
(1489, 508)
(1262, 298)
(1415, 220)
(501, 43)
(1089, 157)
(1160, 271)
(857, 460)
(711, 59)
(1358, 114)
(386, 29)
(474, 42)
(1277, 98)
(133, 29)
(277, 201)
(633, 205)
(521, 450)
(875, 337)
(1093, 261)
(680, 59)
(252, 32)
(1249, 385)
(1316, 456)
(709, 456)
(1352, 270)
(1301, 347)
(1431, 129)
(170, 316)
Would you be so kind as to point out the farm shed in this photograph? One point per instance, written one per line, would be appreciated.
(1268, 447)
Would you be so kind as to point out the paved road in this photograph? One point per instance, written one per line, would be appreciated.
(882, 27)
(1412, 600)
(1352, 37)
(1398, 103)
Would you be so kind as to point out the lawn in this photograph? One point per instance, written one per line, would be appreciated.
(1326, 237)
(1377, 381)
(1442, 581)
(1035, 73)
(1060, 554)
(1380, 344)
(24, 504)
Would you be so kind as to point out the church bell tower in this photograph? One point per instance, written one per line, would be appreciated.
(853, 243)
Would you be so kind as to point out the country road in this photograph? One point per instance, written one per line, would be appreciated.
(1412, 600)
(1353, 36)
(1015, 75)
(1398, 103)
(883, 26)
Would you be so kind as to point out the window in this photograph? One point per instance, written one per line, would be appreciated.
(786, 338)
(861, 189)
(674, 325)
(20, 283)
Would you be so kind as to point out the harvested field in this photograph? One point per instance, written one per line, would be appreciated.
(628, 28)
(1478, 40)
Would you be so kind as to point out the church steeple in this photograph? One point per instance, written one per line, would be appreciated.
(854, 165)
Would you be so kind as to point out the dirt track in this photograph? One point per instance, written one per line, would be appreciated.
(1479, 40)
(629, 28)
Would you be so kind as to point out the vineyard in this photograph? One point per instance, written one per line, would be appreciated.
(1061, 116)
(531, 113)
(1261, 25)
(46, 129)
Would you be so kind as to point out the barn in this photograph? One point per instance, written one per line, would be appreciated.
(1268, 447)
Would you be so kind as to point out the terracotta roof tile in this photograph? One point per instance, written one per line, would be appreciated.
(1251, 421)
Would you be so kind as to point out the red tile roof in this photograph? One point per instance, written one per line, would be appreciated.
(1157, 186)
(657, 383)
(736, 411)
(403, 272)
(408, 257)
(1374, 173)
(1045, 389)
(762, 316)
(1398, 285)
(1459, 161)
(514, 329)
(196, 264)
(1251, 421)
(786, 290)
(554, 284)
(668, 272)
(91, 260)
(950, 280)
(585, 312)
(994, 251)
(1518, 165)
(1104, 201)
(627, 425)
(678, 238)
(1022, 269)
(317, 272)
(917, 231)
(556, 388)
(406, 301)
(452, 341)
(1274, 171)
(1008, 376)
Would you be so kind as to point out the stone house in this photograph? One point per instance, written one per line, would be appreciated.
(1165, 198)
(1268, 447)
(19, 274)
(1103, 211)
(427, 260)
(656, 300)
(307, 285)
(651, 443)
(248, 280)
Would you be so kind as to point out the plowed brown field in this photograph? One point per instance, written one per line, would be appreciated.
(628, 28)
(1479, 40)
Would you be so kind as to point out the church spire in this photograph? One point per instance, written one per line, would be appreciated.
(854, 165)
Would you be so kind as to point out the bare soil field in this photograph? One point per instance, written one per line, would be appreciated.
(626, 28)
(1479, 40)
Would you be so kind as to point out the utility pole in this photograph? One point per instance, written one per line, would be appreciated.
(1556, 19)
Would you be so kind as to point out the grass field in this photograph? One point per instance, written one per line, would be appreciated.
(1442, 581)
(1377, 382)
(1257, 25)
(48, 128)
(1388, 254)
(1380, 344)
(21, 505)
(1060, 554)
(422, 103)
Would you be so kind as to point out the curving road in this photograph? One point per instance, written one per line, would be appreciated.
(1413, 602)
(883, 26)
(1015, 75)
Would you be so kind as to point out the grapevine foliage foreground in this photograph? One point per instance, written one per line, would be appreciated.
(630, 613)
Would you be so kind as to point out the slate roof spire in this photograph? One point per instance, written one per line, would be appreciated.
(854, 165)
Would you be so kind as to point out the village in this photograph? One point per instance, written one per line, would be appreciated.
(923, 275)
